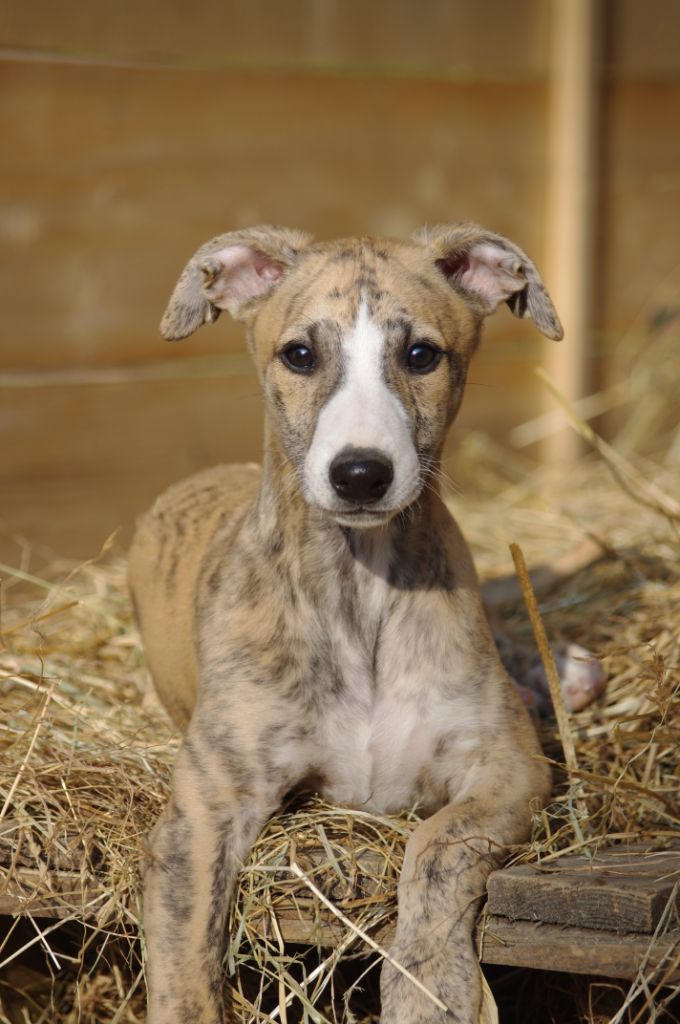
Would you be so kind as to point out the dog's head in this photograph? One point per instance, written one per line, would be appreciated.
(362, 346)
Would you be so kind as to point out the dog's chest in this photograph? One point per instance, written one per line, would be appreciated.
(377, 736)
(377, 760)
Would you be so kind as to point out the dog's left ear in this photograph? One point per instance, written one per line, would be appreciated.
(231, 272)
(489, 269)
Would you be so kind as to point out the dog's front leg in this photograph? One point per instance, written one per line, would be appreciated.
(446, 863)
(197, 848)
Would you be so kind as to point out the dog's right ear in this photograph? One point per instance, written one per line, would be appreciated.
(488, 269)
(230, 272)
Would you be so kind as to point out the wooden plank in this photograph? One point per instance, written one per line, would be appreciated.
(304, 922)
(452, 38)
(619, 891)
(641, 44)
(501, 941)
(20, 893)
(301, 920)
(549, 947)
(85, 461)
(117, 174)
(107, 209)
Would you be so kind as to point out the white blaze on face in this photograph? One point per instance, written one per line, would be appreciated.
(363, 413)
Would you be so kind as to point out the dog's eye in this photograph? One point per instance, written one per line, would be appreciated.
(298, 357)
(422, 357)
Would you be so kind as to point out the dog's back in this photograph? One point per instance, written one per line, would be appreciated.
(166, 557)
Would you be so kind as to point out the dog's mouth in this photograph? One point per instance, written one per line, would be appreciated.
(366, 514)
(362, 518)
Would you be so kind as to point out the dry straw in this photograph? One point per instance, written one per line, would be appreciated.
(86, 765)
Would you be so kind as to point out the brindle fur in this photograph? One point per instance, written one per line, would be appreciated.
(277, 638)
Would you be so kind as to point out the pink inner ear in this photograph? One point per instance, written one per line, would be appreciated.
(268, 269)
(240, 273)
(485, 270)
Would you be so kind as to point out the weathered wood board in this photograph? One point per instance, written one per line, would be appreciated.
(618, 891)
(67, 892)
(500, 941)
(133, 132)
(618, 888)
(549, 947)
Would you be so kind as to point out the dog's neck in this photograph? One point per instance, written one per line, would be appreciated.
(406, 551)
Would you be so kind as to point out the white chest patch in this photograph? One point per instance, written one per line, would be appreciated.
(379, 735)
(374, 762)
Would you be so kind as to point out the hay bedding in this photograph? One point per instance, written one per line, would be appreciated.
(86, 767)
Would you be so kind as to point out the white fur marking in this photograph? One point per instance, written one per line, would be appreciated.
(363, 413)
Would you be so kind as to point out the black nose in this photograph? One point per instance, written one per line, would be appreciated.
(361, 475)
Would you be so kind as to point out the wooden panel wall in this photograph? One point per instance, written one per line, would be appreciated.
(133, 132)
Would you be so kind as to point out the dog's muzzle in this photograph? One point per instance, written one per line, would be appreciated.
(361, 476)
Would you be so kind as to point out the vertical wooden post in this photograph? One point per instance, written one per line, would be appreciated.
(575, 58)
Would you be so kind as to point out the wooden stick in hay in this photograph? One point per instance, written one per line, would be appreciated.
(547, 658)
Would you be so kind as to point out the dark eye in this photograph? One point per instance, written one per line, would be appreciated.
(422, 357)
(298, 357)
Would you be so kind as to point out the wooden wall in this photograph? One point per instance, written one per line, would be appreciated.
(132, 132)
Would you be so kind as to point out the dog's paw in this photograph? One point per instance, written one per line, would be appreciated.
(582, 678)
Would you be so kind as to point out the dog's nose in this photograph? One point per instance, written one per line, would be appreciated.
(361, 475)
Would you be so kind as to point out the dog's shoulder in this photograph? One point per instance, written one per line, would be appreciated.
(172, 536)
(225, 487)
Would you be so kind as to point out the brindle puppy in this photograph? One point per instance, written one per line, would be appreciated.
(319, 622)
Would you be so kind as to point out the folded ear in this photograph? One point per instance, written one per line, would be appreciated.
(489, 269)
(230, 272)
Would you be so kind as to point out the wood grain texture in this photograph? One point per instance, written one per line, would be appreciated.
(131, 134)
(85, 461)
(446, 38)
(443, 37)
(548, 947)
(500, 940)
(118, 175)
(69, 889)
(616, 892)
